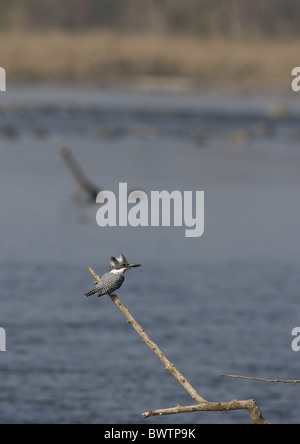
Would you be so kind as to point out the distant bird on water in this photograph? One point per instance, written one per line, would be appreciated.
(112, 281)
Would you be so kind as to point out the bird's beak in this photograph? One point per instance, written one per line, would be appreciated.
(133, 266)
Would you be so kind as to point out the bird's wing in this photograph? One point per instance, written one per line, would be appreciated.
(110, 282)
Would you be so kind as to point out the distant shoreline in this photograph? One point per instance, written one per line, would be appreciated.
(148, 61)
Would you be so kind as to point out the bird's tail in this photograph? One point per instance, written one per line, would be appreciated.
(90, 293)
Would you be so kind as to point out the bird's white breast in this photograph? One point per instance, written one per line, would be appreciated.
(121, 271)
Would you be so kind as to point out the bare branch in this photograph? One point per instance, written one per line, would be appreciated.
(202, 405)
(96, 276)
(168, 365)
(249, 405)
(250, 378)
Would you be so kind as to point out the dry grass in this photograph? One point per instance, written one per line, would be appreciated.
(104, 56)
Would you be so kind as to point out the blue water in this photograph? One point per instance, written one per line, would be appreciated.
(225, 303)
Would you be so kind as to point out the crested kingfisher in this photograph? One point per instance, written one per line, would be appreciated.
(113, 280)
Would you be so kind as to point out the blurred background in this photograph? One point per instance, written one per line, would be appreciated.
(163, 95)
(217, 42)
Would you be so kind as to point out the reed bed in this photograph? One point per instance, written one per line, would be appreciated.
(108, 57)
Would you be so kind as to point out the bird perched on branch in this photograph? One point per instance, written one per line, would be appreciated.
(112, 281)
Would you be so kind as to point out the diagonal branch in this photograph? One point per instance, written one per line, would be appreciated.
(168, 365)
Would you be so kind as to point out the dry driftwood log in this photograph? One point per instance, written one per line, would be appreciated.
(201, 405)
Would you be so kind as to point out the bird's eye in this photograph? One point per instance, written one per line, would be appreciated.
(124, 265)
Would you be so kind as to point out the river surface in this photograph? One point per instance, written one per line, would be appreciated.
(223, 303)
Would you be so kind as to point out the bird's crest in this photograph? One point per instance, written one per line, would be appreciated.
(118, 262)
